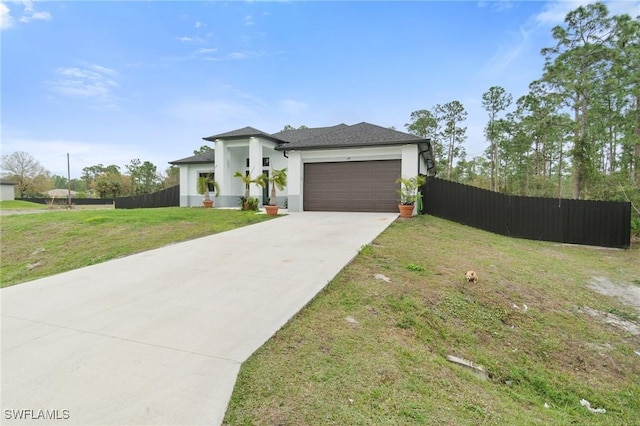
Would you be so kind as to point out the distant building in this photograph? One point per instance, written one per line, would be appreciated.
(7, 191)
(61, 193)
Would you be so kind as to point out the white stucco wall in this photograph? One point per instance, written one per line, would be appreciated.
(231, 156)
(189, 173)
(7, 192)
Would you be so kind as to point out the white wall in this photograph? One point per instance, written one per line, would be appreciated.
(189, 174)
(231, 157)
(7, 192)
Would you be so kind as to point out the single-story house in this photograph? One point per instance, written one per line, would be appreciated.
(338, 168)
(61, 193)
(7, 191)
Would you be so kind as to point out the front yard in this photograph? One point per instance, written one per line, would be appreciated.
(47, 243)
(367, 351)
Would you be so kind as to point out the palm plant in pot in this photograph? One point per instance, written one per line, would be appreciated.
(204, 184)
(278, 180)
(409, 194)
(247, 180)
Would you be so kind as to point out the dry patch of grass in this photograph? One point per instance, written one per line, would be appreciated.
(39, 245)
(366, 351)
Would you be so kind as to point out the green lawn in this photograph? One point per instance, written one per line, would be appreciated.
(367, 352)
(21, 205)
(38, 245)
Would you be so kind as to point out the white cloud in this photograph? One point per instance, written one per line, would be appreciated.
(198, 24)
(206, 50)
(184, 39)
(90, 81)
(514, 48)
(52, 153)
(555, 11)
(6, 20)
(292, 107)
(29, 13)
(222, 108)
(35, 16)
(248, 20)
(631, 8)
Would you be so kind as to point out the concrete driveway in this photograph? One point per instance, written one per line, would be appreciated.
(159, 337)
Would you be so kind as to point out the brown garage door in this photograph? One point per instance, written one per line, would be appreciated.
(357, 186)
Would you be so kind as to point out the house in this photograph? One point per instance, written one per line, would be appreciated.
(338, 168)
(7, 191)
(61, 193)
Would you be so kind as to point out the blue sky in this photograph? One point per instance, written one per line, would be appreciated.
(109, 81)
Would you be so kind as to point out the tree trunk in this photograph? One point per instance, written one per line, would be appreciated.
(560, 172)
(450, 156)
(576, 155)
(636, 159)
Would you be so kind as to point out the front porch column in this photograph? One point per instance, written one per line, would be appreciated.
(295, 181)
(255, 166)
(222, 174)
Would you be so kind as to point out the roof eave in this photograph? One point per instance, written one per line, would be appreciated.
(230, 138)
(285, 147)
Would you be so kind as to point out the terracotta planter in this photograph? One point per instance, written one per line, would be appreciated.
(406, 211)
(207, 204)
(271, 210)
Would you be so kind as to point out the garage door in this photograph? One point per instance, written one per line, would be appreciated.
(358, 186)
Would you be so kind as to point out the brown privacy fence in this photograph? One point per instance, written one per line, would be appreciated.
(169, 197)
(598, 223)
(64, 200)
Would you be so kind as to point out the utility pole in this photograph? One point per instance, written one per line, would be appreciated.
(69, 179)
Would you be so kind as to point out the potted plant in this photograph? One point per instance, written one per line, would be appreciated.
(278, 180)
(409, 194)
(203, 189)
(247, 180)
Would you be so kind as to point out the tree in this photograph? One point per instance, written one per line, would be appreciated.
(22, 168)
(494, 101)
(290, 127)
(278, 180)
(452, 113)
(108, 184)
(172, 176)
(144, 176)
(575, 67)
(247, 180)
(203, 149)
(626, 43)
(427, 125)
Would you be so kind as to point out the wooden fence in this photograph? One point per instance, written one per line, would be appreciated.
(64, 200)
(169, 197)
(598, 223)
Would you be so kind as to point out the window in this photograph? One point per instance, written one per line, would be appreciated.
(209, 176)
(265, 162)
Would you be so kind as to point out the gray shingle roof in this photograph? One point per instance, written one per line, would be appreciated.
(244, 132)
(297, 135)
(358, 135)
(7, 182)
(340, 136)
(207, 157)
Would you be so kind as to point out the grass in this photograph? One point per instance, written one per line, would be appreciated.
(21, 205)
(38, 245)
(389, 367)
